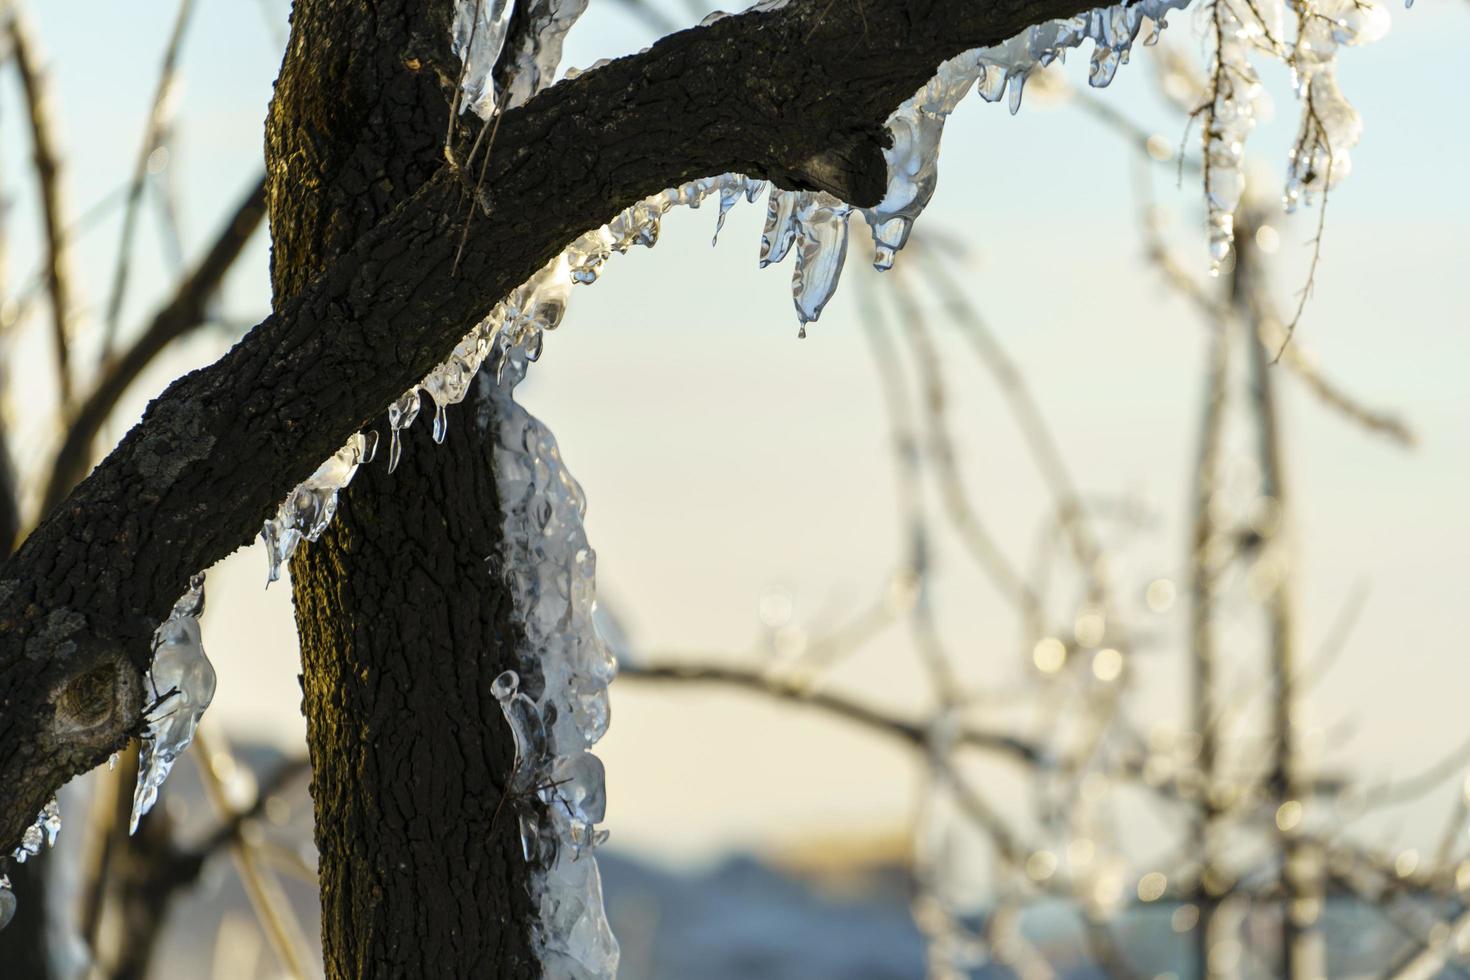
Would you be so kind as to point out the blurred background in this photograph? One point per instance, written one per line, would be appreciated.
(1029, 616)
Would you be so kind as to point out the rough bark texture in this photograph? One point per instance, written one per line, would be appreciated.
(402, 628)
(797, 95)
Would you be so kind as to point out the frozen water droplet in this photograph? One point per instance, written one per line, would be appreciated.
(505, 686)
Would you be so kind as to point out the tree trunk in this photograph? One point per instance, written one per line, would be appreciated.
(402, 627)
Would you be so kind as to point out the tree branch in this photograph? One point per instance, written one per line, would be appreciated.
(914, 733)
(185, 312)
(797, 95)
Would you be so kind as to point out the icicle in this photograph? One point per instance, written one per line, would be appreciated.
(43, 831)
(309, 508)
(181, 680)
(780, 229)
(732, 187)
(478, 35)
(401, 415)
(449, 382)
(821, 250)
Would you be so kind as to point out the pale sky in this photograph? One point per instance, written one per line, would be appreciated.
(723, 458)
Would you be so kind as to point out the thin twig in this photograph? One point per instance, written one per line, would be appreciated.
(266, 898)
(152, 130)
(912, 732)
(48, 176)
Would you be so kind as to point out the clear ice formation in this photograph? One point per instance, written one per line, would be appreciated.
(1330, 126)
(550, 570)
(309, 508)
(181, 681)
(43, 831)
(478, 35)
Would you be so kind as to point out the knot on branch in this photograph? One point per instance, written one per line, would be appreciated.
(851, 168)
(105, 696)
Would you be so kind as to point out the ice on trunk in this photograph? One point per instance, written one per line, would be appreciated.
(556, 784)
(181, 684)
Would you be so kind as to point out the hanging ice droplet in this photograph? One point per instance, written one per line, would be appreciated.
(181, 680)
(401, 415)
(441, 424)
(42, 832)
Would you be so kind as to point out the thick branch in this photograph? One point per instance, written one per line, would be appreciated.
(797, 95)
(185, 312)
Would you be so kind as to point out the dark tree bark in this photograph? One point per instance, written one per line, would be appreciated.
(402, 628)
(797, 95)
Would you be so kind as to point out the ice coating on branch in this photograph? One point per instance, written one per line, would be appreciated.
(539, 304)
(1330, 126)
(550, 571)
(478, 35)
(309, 508)
(43, 831)
(181, 683)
